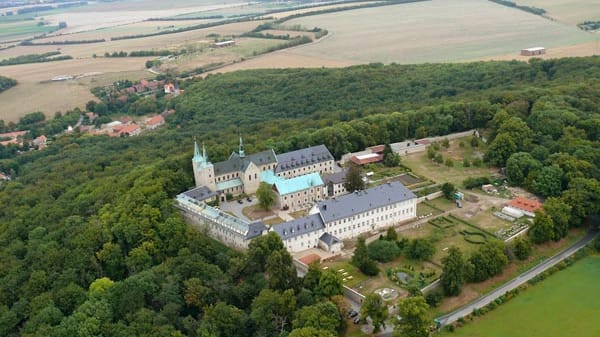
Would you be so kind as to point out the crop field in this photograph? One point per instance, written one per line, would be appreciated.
(60, 96)
(17, 30)
(569, 11)
(565, 304)
(431, 31)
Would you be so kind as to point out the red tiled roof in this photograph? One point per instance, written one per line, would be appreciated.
(308, 259)
(377, 148)
(525, 204)
(129, 128)
(158, 119)
(423, 141)
(362, 161)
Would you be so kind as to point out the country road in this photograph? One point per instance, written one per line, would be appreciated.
(516, 282)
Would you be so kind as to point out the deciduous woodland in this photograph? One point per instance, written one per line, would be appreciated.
(91, 245)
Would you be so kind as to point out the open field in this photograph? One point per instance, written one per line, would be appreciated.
(60, 96)
(160, 42)
(114, 14)
(24, 29)
(431, 32)
(584, 49)
(440, 173)
(563, 305)
(569, 11)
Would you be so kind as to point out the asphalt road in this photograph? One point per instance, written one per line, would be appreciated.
(516, 282)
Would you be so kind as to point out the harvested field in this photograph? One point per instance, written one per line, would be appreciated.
(59, 96)
(569, 11)
(160, 42)
(284, 59)
(585, 49)
(314, 9)
(108, 15)
(431, 32)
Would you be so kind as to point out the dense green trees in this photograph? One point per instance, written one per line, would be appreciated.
(488, 261)
(90, 242)
(455, 272)
(414, 320)
(361, 259)
(375, 308)
(354, 180)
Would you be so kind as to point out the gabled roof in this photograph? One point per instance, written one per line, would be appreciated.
(200, 193)
(304, 157)
(297, 184)
(237, 164)
(299, 226)
(329, 239)
(525, 204)
(155, 120)
(362, 201)
(255, 229)
(335, 178)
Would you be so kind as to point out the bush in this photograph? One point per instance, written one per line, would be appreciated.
(419, 249)
(434, 299)
(522, 248)
(383, 250)
(473, 182)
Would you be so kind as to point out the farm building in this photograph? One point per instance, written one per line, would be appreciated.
(155, 122)
(223, 44)
(533, 51)
(364, 159)
(520, 205)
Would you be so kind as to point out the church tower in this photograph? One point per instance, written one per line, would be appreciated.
(204, 171)
(241, 151)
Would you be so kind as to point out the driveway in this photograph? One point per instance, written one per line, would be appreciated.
(236, 208)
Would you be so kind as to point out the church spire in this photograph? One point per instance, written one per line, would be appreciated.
(196, 151)
(241, 150)
(204, 153)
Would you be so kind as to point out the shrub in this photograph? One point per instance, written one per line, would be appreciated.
(383, 250)
(434, 299)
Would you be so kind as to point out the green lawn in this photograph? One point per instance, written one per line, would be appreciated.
(566, 304)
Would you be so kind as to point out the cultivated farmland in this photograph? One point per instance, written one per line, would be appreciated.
(566, 304)
(569, 11)
(431, 31)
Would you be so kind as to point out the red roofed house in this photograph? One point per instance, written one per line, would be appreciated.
(377, 149)
(364, 159)
(130, 130)
(169, 88)
(155, 122)
(40, 142)
(524, 205)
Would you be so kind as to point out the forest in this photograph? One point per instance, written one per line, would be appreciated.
(91, 245)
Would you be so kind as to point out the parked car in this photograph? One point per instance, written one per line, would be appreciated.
(356, 320)
(248, 199)
(240, 201)
(352, 313)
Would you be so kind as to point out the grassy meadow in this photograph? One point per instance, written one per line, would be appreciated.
(566, 304)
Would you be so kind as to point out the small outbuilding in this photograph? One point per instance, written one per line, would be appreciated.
(533, 51)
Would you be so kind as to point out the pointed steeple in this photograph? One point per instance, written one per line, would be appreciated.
(241, 150)
(197, 156)
(204, 153)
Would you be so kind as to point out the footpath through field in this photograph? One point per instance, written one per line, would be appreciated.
(516, 282)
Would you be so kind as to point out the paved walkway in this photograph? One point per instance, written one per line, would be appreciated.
(516, 282)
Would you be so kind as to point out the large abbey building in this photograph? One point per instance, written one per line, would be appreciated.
(296, 179)
(295, 175)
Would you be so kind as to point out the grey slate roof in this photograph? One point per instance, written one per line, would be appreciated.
(362, 201)
(255, 229)
(299, 226)
(329, 239)
(300, 158)
(200, 193)
(237, 164)
(335, 178)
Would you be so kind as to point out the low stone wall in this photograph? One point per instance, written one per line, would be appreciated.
(431, 196)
